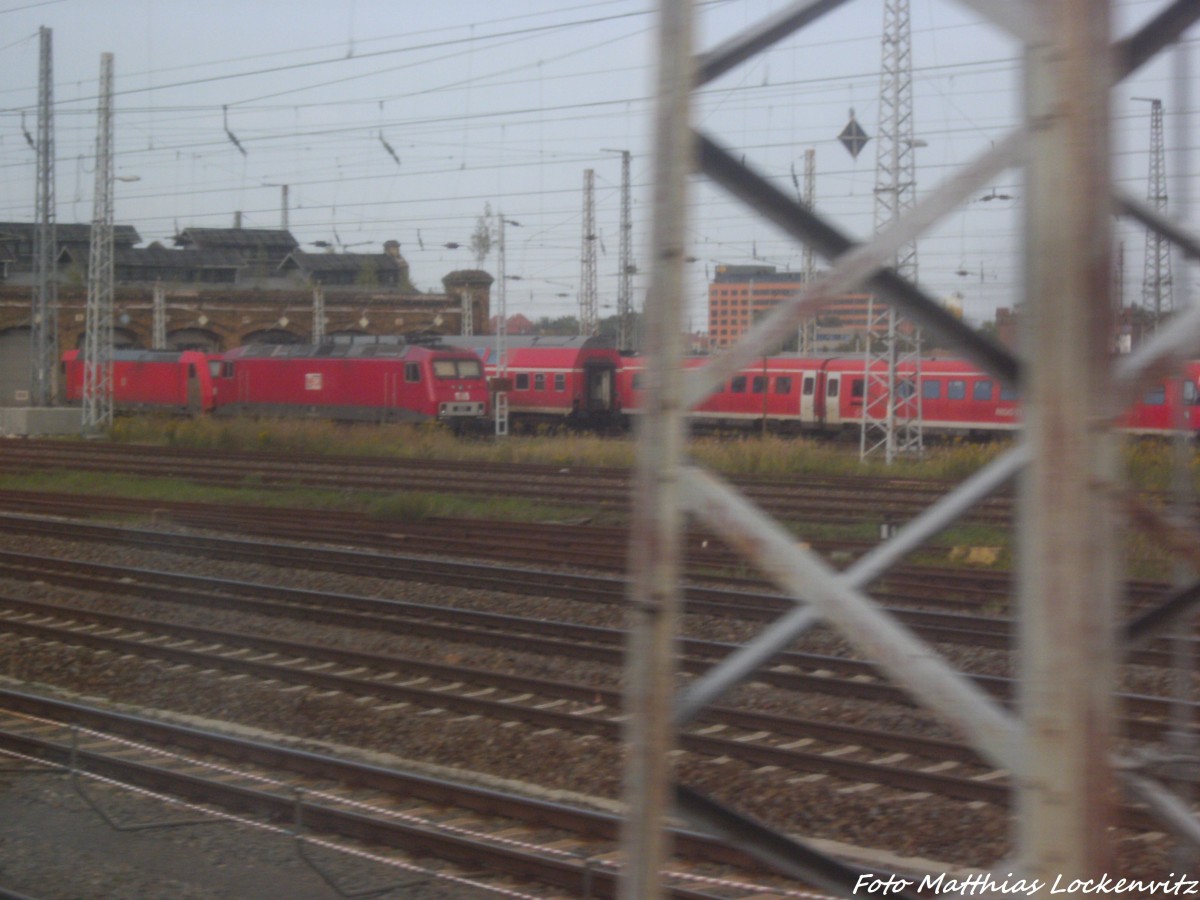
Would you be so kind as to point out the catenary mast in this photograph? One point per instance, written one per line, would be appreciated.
(44, 316)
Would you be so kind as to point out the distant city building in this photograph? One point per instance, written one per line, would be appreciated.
(741, 295)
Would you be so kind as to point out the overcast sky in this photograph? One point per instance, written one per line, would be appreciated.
(400, 119)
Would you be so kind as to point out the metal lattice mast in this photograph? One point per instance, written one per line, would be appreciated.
(500, 378)
(1156, 279)
(44, 315)
(160, 317)
(318, 315)
(98, 327)
(467, 328)
(588, 317)
(892, 399)
(808, 326)
(625, 282)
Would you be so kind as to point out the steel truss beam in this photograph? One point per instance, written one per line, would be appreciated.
(1068, 81)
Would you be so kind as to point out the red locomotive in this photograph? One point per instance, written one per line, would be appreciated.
(360, 380)
(393, 381)
(178, 381)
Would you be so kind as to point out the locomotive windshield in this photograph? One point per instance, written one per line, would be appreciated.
(457, 368)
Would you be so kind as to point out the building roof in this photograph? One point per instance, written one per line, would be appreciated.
(68, 233)
(253, 239)
(328, 263)
(760, 273)
(159, 257)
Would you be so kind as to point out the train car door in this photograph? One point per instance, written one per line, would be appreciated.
(193, 389)
(833, 406)
(242, 380)
(599, 387)
(808, 398)
(391, 389)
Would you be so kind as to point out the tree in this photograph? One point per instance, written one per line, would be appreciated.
(481, 240)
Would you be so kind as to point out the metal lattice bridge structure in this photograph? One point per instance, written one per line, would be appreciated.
(1059, 740)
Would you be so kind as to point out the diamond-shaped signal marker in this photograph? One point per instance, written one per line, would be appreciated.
(853, 137)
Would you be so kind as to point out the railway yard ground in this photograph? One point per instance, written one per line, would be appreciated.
(206, 696)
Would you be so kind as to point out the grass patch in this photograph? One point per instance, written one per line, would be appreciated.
(406, 506)
(1148, 462)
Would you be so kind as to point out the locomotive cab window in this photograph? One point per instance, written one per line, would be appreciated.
(1190, 395)
(412, 372)
(470, 368)
(982, 390)
(1156, 396)
(783, 384)
(1008, 393)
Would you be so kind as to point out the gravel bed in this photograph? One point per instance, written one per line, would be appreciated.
(942, 830)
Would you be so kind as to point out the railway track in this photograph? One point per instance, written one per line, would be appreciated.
(249, 654)
(319, 796)
(961, 594)
(830, 500)
(889, 763)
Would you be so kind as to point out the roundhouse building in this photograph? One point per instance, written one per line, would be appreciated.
(223, 288)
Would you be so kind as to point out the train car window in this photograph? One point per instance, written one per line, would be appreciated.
(412, 372)
(523, 381)
(832, 389)
(956, 390)
(981, 390)
(1190, 395)
(539, 382)
(637, 381)
(1008, 393)
(906, 389)
(783, 384)
(738, 384)
(856, 388)
(1156, 396)
(758, 385)
(560, 382)
(809, 386)
(191, 370)
(931, 390)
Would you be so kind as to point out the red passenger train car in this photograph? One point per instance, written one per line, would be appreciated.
(360, 380)
(176, 381)
(554, 380)
(827, 395)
